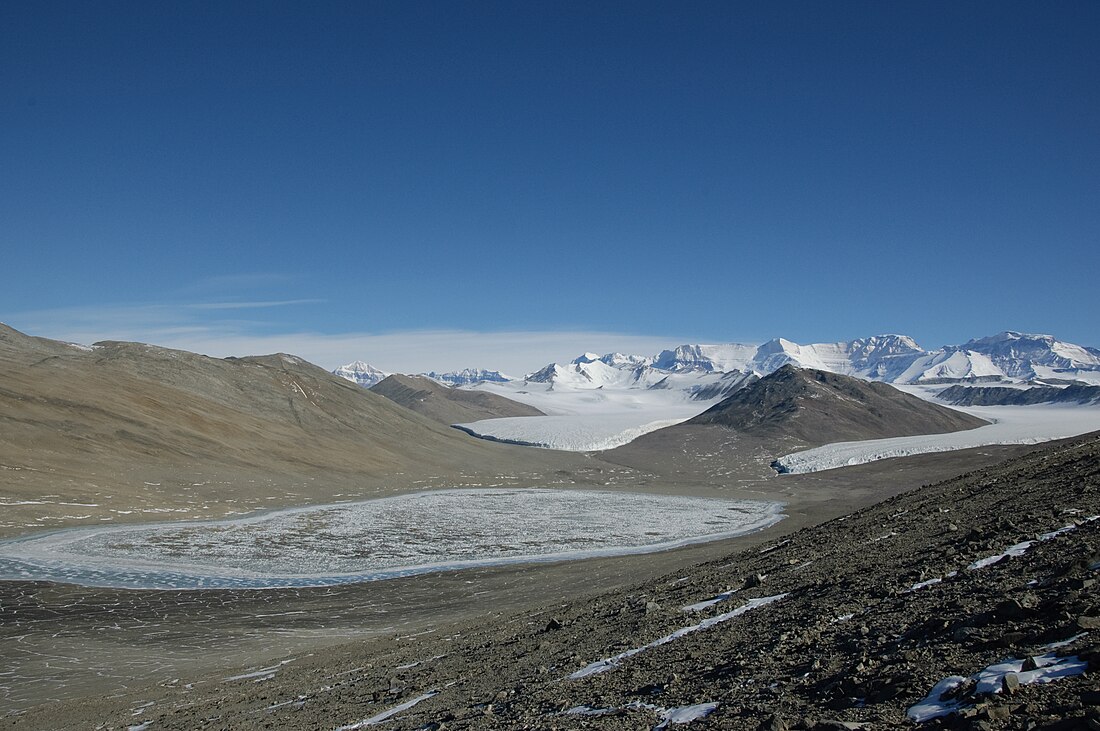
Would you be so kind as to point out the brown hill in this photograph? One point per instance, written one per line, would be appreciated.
(817, 406)
(448, 405)
(122, 428)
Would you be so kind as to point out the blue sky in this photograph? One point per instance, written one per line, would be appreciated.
(334, 178)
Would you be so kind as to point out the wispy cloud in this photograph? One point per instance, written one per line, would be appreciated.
(513, 352)
(251, 305)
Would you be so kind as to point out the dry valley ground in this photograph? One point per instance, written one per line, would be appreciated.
(849, 641)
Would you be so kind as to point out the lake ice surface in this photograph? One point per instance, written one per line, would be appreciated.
(376, 539)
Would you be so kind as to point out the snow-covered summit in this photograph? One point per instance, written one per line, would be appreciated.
(1027, 355)
(361, 372)
(589, 371)
(727, 357)
(878, 358)
(620, 360)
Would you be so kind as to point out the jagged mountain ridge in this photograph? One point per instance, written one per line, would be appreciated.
(467, 377)
(703, 372)
(899, 359)
(1007, 356)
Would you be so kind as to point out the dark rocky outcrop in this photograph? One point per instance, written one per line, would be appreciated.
(821, 407)
(1002, 396)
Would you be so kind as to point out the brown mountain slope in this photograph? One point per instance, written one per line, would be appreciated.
(122, 428)
(448, 405)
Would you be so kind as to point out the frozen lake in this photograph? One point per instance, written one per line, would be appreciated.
(379, 539)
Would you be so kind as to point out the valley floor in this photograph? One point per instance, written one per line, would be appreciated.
(494, 648)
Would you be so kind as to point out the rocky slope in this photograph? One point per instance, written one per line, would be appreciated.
(448, 405)
(850, 624)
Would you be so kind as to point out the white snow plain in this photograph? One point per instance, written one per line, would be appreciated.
(588, 416)
(1009, 425)
(384, 538)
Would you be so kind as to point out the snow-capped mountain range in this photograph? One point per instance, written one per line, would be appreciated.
(1008, 356)
(367, 375)
(1005, 357)
(602, 401)
(468, 376)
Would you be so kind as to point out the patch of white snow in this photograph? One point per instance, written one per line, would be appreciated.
(388, 714)
(610, 663)
(1048, 667)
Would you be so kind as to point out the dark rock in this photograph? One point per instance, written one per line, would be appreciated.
(774, 723)
(1013, 609)
(1087, 622)
(1012, 639)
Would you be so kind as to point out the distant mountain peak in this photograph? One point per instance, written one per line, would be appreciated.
(359, 365)
(361, 372)
(468, 376)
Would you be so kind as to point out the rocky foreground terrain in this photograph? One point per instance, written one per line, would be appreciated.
(849, 624)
